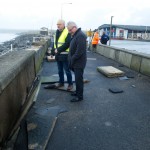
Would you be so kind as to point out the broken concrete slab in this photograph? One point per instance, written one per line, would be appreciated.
(64, 88)
(115, 90)
(110, 71)
(40, 124)
(124, 78)
(91, 58)
(129, 74)
(39, 136)
(47, 79)
(55, 79)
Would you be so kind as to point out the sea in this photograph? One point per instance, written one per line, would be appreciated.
(139, 46)
(10, 34)
(7, 37)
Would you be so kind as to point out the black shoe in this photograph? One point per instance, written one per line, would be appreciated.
(73, 94)
(76, 99)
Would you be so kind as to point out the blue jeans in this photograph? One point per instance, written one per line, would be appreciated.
(63, 65)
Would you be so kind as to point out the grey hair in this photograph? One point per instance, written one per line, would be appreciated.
(71, 24)
(61, 21)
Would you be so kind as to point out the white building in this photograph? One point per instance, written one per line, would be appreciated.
(126, 31)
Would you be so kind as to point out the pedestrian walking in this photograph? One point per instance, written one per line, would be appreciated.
(77, 58)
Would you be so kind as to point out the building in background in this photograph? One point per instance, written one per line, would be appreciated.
(44, 31)
(126, 31)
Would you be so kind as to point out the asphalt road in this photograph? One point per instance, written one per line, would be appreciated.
(103, 120)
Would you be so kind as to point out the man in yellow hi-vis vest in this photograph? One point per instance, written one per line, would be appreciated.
(62, 41)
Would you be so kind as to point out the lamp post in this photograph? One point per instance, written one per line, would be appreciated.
(110, 30)
(62, 9)
(146, 33)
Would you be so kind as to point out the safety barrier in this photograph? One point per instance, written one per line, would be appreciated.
(17, 74)
(137, 61)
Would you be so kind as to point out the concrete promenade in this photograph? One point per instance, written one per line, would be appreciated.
(103, 120)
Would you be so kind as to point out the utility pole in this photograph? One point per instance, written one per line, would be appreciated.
(62, 9)
(146, 33)
(110, 31)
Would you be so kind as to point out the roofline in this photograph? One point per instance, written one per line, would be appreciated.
(128, 27)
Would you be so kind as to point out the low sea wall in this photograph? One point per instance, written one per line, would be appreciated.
(136, 61)
(17, 74)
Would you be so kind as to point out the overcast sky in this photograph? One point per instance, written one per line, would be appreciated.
(34, 14)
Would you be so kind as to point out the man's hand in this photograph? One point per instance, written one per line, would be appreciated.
(56, 51)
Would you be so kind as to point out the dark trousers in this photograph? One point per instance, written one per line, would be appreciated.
(94, 46)
(79, 82)
(63, 65)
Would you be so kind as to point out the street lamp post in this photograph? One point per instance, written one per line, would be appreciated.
(110, 31)
(146, 33)
(62, 9)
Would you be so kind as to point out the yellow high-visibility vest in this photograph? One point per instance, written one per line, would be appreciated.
(61, 39)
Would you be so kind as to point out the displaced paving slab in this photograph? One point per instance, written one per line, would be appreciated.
(64, 88)
(91, 58)
(115, 90)
(55, 79)
(39, 130)
(40, 124)
(49, 79)
(123, 78)
(110, 71)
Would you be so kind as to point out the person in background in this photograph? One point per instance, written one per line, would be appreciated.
(104, 38)
(95, 40)
(61, 49)
(77, 58)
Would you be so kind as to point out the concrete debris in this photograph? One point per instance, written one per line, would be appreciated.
(110, 71)
(123, 78)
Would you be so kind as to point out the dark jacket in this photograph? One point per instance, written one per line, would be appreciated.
(77, 54)
(59, 56)
(104, 39)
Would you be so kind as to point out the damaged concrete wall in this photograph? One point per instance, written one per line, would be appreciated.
(17, 73)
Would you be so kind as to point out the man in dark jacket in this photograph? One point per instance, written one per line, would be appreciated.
(77, 58)
(104, 38)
